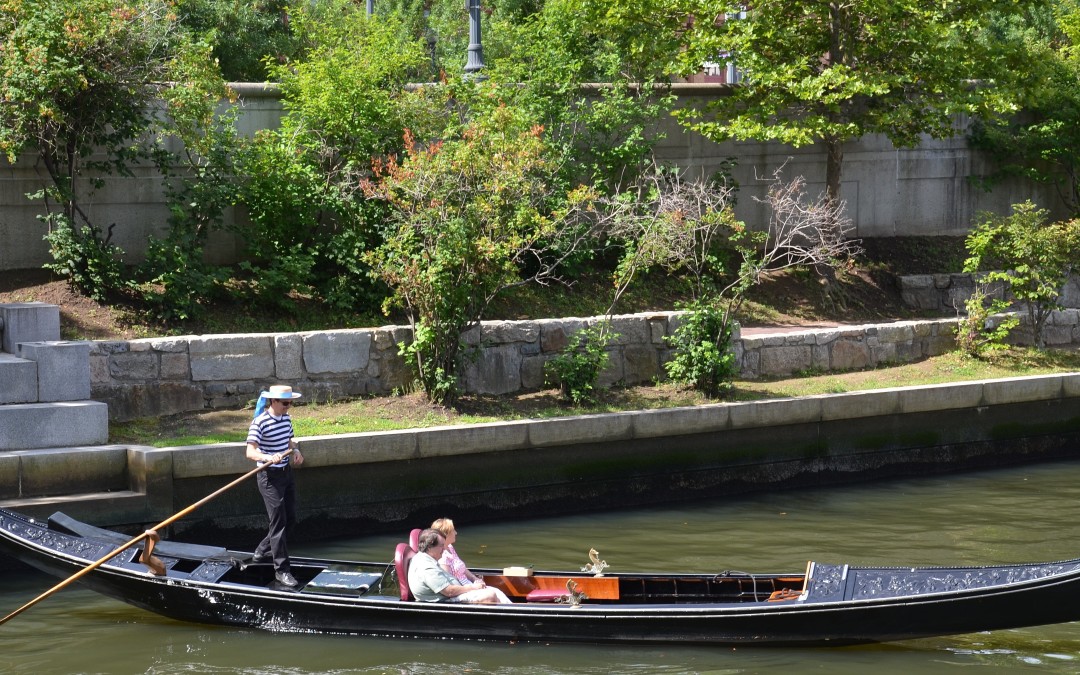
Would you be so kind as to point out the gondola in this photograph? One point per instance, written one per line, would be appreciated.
(827, 604)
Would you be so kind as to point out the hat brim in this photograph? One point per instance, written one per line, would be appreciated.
(283, 396)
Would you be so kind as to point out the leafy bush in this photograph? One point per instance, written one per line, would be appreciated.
(424, 354)
(309, 222)
(980, 332)
(704, 357)
(1032, 258)
(178, 282)
(578, 366)
(86, 258)
(468, 213)
(200, 183)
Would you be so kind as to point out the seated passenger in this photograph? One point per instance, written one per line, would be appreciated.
(430, 583)
(451, 562)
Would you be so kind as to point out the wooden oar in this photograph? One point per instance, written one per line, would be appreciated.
(156, 566)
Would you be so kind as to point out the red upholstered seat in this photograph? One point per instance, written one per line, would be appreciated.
(414, 539)
(545, 595)
(403, 555)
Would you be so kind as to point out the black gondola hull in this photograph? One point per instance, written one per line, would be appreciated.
(866, 605)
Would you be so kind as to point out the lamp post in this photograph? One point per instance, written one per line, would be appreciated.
(429, 35)
(476, 51)
(370, 7)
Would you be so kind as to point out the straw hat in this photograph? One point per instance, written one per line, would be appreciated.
(281, 391)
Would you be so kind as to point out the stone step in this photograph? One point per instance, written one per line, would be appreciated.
(27, 322)
(29, 426)
(63, 369)
(90, 507)
(20, 378)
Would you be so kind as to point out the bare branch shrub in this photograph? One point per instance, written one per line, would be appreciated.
(802, 232)
(677, 223)
(670, 221)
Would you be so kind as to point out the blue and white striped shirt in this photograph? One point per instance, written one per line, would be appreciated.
(271, 434)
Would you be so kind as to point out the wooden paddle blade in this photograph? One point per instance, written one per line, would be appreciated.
(147, 557)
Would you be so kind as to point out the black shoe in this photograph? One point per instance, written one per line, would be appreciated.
(285, 579)
(261, 559)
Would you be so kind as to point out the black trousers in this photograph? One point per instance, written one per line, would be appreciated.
(278, 490)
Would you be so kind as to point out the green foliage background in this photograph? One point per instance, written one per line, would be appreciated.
(395, 182)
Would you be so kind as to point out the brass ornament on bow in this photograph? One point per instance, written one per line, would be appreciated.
(574, 596)
(597, 566)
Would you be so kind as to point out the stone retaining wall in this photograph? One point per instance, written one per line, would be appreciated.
(163, 376)
(947, 293)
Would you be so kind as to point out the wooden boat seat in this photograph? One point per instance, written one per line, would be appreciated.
(545, 595)
(403, 556)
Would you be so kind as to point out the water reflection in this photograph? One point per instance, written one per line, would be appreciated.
(1014, 515)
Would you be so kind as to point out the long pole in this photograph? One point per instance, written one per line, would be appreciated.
(151, 533)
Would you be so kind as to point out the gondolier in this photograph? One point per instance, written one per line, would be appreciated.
(269, 439)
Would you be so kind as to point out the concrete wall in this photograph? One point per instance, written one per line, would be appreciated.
(396, 480)
(162, 376)
(889, 192)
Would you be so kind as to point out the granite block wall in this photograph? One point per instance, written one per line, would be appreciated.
(163, 376)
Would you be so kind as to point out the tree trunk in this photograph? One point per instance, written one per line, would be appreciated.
(834, 164)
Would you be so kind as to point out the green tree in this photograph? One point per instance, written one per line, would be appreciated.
(1031, 257)
(200, 183)
(1042, 141)
(599, 101)
(348, 101)
(472, 215)
(245, 34)
(565, 65)
(829, 72)
(78, 82)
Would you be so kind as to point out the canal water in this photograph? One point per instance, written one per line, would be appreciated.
(1019, 514)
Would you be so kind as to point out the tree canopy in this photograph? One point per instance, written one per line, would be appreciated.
(828, 72)
(1042, 141)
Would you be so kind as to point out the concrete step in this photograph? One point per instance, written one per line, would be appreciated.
(45, 472)
(29, 426)
(20, 378)
(63, 369)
